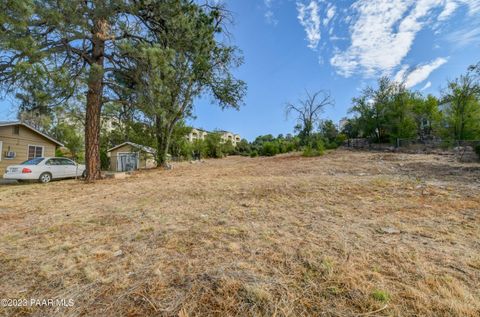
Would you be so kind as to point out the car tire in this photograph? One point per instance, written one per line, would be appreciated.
(84, 174)
(45, 178)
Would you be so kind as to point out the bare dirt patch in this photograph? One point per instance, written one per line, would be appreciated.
(346, 234)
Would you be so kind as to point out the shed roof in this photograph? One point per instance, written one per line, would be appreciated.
(138, 146)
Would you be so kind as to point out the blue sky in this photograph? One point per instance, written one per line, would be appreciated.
(342, 46)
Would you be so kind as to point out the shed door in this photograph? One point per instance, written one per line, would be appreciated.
(127, 162)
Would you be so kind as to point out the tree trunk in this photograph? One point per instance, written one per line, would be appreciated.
(163, 135)
(94, 103)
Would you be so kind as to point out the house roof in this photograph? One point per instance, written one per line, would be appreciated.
(12, 123)
(138, 146)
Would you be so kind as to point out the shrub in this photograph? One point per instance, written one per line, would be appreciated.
(104, 160)
(331, 145)
(308, 151)
(214, 146)
(270, 149)
(381, 296)
(228, 148)
(59, 153)
(340, 139)
(254, 154)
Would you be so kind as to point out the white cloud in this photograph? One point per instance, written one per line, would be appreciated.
(329, 15)
(427, 85)
(448, 10)
(418, 74)
(269, 15)
(466, 36)
(473, 6)
(382, 35)
(309, 18)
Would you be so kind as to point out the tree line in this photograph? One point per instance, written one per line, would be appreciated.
(390, 112)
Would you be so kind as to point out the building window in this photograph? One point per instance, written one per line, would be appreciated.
(35, 151)
(16, 130)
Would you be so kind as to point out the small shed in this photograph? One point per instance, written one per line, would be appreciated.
(130, 156)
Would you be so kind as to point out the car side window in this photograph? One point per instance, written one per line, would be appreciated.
(50, 162)
(66, 162)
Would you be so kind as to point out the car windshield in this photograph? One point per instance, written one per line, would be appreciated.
(34, 161)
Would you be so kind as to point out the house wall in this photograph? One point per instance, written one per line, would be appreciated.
(19, 144)
(196, 134)
(147, 160)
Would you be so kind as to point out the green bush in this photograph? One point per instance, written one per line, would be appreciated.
(253, 154)
(308, 151)
(270, 149)
(331, 145)
(315, 148)
(104, 160)
(214, 146)
(340, 139)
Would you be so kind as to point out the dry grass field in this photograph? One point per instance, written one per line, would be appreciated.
(346, 234)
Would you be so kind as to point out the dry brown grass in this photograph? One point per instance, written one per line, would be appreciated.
(282, 236)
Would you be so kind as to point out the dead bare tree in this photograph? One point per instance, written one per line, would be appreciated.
(308, 111)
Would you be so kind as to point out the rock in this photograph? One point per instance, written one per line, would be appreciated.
(118, 253)
(389, 230)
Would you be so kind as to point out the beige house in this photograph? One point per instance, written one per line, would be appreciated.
(199, 134)
(130, 156)
(20, 142)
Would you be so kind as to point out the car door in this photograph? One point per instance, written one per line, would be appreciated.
(54, 167)
(69, 166)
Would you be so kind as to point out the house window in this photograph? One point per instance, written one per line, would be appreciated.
(16, 129)
(35, 151)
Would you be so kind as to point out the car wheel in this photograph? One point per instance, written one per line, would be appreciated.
(84, 174)
(45, 178)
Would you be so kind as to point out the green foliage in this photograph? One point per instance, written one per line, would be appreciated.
(328, 130)
(186, 62)
(243, 148)
(268, 145)
(72, 138)
(253, 154)
(391, 111)
(341, 138)
(104, 159)
(461, 110)
(309, 151)
(59, 153)
(381, 296)
(269, 149)
(316, 146)
(213, 145)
